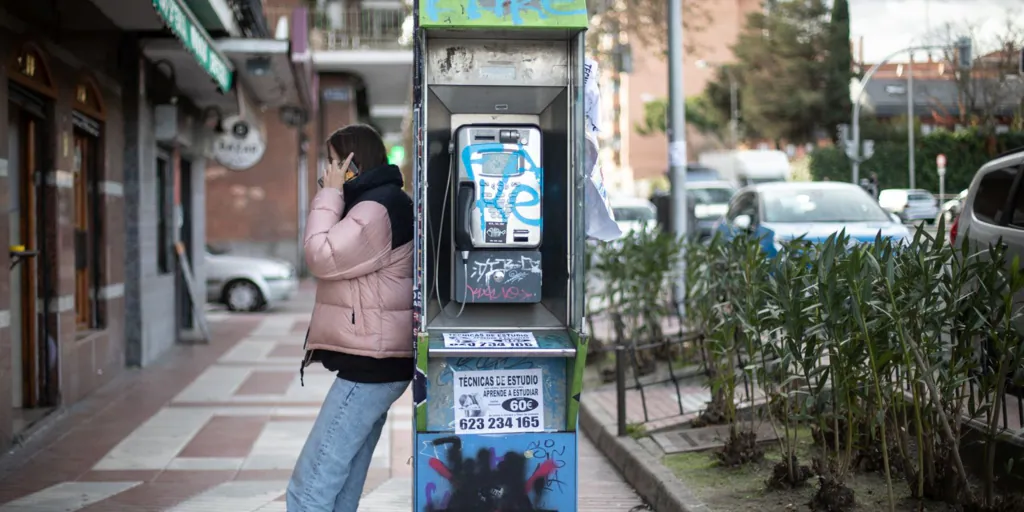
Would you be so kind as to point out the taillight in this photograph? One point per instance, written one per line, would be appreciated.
(953, 228)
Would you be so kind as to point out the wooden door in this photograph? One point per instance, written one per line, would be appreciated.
(83, 228)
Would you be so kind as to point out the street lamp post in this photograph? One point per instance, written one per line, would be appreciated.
(734, 112)
(856, 150)
(963, 46)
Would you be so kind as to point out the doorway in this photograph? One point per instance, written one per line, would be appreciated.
(183, 216)
(34, 361)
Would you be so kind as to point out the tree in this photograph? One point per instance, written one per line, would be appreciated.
(644, 21)
(700, 114)
(990, 88)
(839, 64)
(780, 72)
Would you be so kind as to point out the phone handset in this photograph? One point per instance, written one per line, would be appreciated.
(463, 219)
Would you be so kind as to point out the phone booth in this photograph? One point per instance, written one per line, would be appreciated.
(499, 183)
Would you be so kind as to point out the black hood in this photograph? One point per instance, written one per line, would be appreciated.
(368, 180)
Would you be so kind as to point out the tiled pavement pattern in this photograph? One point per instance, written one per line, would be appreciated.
(218, 428)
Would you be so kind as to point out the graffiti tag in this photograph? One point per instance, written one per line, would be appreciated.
(488, 482)
(504, 270)
(472, 10)
(504, 201)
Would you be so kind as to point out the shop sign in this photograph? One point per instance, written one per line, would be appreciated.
(241, 146)
(184, 25)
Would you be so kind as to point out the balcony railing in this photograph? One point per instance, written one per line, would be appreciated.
(356, 29)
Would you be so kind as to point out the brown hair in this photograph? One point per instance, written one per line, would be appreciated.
(361, 140)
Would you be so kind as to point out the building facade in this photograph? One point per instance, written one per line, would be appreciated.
(111, 109)
(363, 74)
(644, 158)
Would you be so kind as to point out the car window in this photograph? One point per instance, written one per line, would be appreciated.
(1017, 215)
(920, 197)
(992, 193)
(822, 205)
(710, 195)
(633, 213)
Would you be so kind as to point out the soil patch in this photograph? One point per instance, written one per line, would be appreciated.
(743, 489)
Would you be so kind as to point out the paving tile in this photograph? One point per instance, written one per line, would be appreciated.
(225, 436)
(235, 495)
(218, 428)
(262, 382)
(68, 496)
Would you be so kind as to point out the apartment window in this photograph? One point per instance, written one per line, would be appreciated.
(88, 229)
(164, 186)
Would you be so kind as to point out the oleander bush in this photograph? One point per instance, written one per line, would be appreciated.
(884, 350)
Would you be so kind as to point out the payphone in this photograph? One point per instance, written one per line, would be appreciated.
(498, 212)
(498, 177)
(500, 180)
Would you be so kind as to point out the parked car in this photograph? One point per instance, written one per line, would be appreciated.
(910, 204)
(248, 284)
(633, 213)
(994, 207)
(951, 209)
(777, 212)
(710, 201)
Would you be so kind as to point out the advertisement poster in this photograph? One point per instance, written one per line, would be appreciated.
(490, 340)
(499, 401)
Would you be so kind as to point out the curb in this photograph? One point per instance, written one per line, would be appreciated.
(652, 480)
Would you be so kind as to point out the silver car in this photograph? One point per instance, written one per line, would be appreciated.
(248, 284)
(910, 204)
(994, 208)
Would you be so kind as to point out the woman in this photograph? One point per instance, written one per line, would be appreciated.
(359, 247)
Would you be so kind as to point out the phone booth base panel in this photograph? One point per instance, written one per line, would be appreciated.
(499, 276)
(533, 472)
(441, 386)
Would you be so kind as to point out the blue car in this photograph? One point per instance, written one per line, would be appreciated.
(777, 212)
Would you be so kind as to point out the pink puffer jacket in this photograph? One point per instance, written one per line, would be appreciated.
(361, 255)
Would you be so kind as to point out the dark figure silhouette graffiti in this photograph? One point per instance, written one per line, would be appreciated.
(486, 483)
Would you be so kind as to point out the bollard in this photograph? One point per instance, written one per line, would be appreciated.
(620, 388)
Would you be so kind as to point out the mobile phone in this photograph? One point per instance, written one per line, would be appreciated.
(352, 168)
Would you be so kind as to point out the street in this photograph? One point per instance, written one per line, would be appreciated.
(219, 427)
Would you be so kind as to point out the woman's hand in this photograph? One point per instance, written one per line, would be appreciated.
(335, 176)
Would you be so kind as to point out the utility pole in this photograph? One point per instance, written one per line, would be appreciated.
(910, 118)
(677, 136)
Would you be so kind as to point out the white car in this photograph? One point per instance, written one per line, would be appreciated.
(632, 213)
(910, 204)
(248, 284)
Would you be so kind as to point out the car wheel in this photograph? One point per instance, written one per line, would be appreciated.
(243, 295)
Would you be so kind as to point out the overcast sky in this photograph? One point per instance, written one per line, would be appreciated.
(889, 25)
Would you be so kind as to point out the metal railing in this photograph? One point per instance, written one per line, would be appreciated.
(687, 349)
(357, 29)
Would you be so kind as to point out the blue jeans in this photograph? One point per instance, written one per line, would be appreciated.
(332, 467)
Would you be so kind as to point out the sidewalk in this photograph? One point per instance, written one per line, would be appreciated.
(218, 428)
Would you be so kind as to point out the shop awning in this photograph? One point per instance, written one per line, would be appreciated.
(180, 20)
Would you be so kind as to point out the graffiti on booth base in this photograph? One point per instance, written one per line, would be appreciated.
(503, 271)
(518, 481)
(518, 12)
